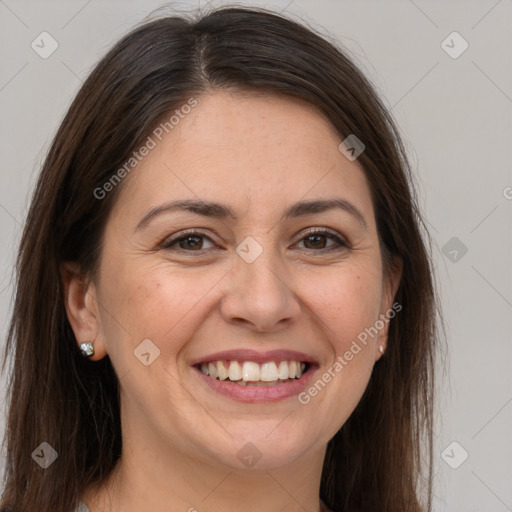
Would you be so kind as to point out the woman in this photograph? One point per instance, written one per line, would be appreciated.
(224, 299)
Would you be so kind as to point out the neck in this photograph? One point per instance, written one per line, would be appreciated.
(149, 478)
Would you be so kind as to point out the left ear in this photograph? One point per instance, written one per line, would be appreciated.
(390, 283)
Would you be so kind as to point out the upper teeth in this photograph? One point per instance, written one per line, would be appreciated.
(253, 372)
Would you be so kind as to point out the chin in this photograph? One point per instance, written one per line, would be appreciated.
(261, 449)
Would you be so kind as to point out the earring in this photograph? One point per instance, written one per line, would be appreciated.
(381, 349)
(87, 348)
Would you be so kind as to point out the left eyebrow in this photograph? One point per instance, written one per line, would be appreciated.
(220, 211)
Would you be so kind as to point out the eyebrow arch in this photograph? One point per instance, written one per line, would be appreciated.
(220, 211)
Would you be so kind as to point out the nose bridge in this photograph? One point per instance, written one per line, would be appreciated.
(260, 270)
(260, 292)
(259, 264)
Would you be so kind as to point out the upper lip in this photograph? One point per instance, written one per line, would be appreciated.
(254, 355)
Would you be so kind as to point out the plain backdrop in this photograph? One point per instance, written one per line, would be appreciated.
(454, 111)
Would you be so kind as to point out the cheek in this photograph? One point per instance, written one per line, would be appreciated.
(156, 303)
(346, 306)
(346, 302)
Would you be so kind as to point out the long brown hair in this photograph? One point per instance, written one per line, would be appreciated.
(381, 458)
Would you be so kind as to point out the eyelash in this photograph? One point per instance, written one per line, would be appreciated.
(343, 245)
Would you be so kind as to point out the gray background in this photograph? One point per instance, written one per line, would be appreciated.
(455, 116)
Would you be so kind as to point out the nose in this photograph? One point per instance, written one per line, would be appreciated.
(260, 296)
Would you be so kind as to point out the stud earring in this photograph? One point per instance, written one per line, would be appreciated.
(87, 348)
(381, 349)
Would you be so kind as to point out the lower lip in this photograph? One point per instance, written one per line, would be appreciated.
(256, 394)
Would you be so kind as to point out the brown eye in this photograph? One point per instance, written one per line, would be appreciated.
(190, 242)
(317, 240)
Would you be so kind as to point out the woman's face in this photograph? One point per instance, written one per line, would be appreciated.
(251, 280)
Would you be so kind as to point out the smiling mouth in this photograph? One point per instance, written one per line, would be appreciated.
(252, 374)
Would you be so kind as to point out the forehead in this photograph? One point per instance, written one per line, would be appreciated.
(232, 146)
